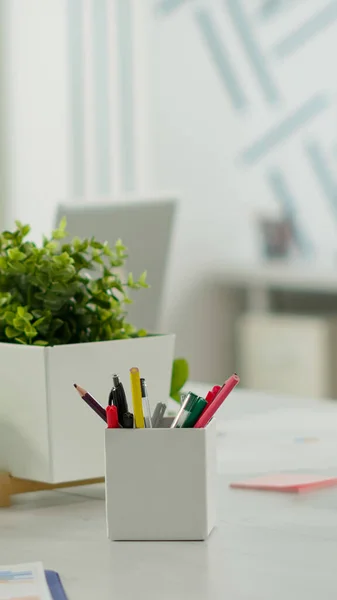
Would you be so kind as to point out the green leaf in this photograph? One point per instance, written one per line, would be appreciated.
(11, 332)
(60, 233)
(39, 322)
(51, 246)
(120, 246)
(107, 250)
(179, 377)
(7, 235)
(9, 317)
(142, 333)
(100, 301)
(40, 343)
(98, 259)
(25, 230)
(30, 331)
(19, 324)
(4, 299)
(95, 244)
(21, 341)
(21, 311)
(63, 224)
(15, 254)
(142, 279)
(56, 324)
(77, 243)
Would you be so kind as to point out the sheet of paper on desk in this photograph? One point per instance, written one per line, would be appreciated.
(23, 582)
(286, 482)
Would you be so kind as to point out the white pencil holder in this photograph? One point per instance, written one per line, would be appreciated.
(160, 483)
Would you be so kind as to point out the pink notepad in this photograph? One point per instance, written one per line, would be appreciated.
(286, 482)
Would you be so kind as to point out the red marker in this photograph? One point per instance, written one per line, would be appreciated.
(221, 396)
(210, 396)
(212, 393)
(112, 417)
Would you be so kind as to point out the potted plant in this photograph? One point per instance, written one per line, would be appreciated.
(63, 320)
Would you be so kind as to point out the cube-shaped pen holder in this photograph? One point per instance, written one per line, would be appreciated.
(160, 483)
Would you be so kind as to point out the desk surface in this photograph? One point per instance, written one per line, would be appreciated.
(267, 546)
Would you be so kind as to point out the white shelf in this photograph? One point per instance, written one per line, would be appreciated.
(280, 276)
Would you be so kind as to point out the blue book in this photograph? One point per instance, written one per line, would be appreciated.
(55, 585)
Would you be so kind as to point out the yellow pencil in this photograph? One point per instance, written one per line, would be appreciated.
(137, 398)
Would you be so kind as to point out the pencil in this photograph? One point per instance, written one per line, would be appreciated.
(94, 405)
(137, 398)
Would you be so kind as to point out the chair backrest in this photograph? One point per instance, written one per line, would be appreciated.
(145, 226)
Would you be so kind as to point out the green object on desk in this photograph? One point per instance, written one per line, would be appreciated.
(179, 377)
(195, 413)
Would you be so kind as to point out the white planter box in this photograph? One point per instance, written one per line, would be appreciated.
(47, 433)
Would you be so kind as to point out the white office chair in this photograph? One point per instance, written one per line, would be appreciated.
(145, 225)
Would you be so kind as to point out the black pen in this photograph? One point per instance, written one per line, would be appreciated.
(117, 397)
(128, 420)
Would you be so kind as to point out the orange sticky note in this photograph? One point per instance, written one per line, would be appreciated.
(286, 482)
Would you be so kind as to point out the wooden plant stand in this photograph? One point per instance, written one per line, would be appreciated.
(12, 485)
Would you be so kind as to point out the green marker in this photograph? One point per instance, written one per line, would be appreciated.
(185, 410)
(195, 413)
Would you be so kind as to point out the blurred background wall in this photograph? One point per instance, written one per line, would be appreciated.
(70, 77)
(244, 123)
(232, 103)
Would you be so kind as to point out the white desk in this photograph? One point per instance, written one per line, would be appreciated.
(281, 276)
(267, 546)
(297, 288)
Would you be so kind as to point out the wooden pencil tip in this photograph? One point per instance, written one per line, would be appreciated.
(82, 392)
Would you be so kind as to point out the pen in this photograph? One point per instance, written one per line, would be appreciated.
(128, 420)
(156, 414)
(146, 404)
(195, 413)
(161, 414)
(186, 408)
(180, 412)
(137, 398)
(211, 408)
(112, 417)
(117, 397)
(98, 408)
